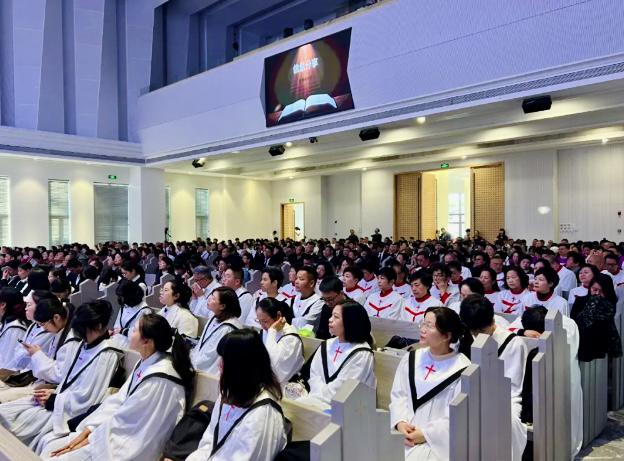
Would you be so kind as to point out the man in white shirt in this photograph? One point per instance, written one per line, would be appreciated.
(203, 285)
(306, 305)
(567, 278)
(612, 268)
(233, 278)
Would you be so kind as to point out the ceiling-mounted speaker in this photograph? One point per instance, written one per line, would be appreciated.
(276, 150)
(538, 104)
(368, 134)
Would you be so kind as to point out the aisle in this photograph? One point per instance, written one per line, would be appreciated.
(610, 444)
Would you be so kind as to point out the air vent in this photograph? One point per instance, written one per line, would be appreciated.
(524, 141)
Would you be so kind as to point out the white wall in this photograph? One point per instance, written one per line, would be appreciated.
(29, 196)
(591, 192)
(378, 202)
(306, 190)
(343, 196)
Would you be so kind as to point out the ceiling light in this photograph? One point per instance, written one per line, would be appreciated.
(421, 120)
(236, 151)
(364, 169)
(464, 157)
(291, 177)
(605, 140)
(289, 144)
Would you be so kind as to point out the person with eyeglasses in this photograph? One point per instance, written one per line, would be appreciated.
(432, 374)
(203, 285)
(332, 293)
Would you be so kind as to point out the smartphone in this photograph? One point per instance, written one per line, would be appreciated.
(20, 340)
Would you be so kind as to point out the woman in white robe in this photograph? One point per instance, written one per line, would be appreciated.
(442, 288)
(44, 417)
(586, 274)
(13, 324)
(437, 366)
(223, 303)
(133, 307)
(544, 284)
(477, 313)
(348, 355)
(513, 298)
(175, 297)
(247, 422)
(487, 276)
(280, 338)
(122, 428)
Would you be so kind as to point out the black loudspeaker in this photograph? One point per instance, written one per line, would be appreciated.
(198, 163)
(276, 150)
(368, 134)
(538, 104)
(308, 24)
(288, 31)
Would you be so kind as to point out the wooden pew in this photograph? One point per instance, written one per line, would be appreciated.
(153, 299)
(616, 384)
(384, 329)
(110, 296)
(89, 291)
(594, 381)
(480, 416)
(254, 283)
(11, 449)
(551, 431)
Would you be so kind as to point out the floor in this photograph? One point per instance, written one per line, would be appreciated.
(610, 444)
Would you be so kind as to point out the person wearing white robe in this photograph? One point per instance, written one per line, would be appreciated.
(511, 299)
(586, 274)
(369, 282)
(386, 303)
(281, 340)
(488, 279)
(13, 324)
(426, 430)
(202, 287)
(84, 384)
(270, 282)
(443, 288)
(348, 355)
(307, 304)
(233, 278)
(543, 295)
(175, 296)
(289, 290)
(414, 308)
(133, 307)
(223, 303)
(351, 278)
(478, 314)
(123, 428)
(247, 422)
(467, 287)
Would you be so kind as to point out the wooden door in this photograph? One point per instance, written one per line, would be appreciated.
(488, 200)
(428, 206)
(407, 205)
(288, 221)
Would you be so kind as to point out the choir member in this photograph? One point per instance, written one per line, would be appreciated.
(247, 421)
(435, 368)
(401, 285)
(369, 281)
(225, 308)
(546, 280)
(348, 355)
(443, 289)
(385, 303)
(13, 323)
(175, 296)
(123, 428)
(586, 274)
(351, 278)
(307, 304)
(233, 278)
(512, 299)
(133, 307)
(414, 308)
(487, 276)
(281, 339)
(289, 290)
(202, 287)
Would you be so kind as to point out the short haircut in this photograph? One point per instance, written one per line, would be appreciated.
(476, 312)
(229, 299)
(331, 285)
(131, 293)
(443, 268)
(237, 273)
(425, 278)
(308, 270)
(474, 284)
(355, 271)
(204, 271)
(275, 275)
(25, 266)
(550, 274)
(524, 278)
(73, 263)
(533, 318)
(388, 273)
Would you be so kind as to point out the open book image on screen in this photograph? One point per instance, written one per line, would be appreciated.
(313, 104)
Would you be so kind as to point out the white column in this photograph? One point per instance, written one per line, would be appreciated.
(146, 203)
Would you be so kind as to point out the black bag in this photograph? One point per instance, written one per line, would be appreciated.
(399, 342)
(295, 451)
(20, 379)
(188, 432)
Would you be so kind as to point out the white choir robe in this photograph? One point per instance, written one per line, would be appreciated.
(514, 357)
(577, 292)
(405, 290)
(182, 319)
(259, 295)
(384, 306)
(369, 286)
(204, 355)
(567, 280)
(288, 291)
(124, 427)
(259, 436)
(52, 365)
(618, 279)
(307, 311)
(127, 317)
(357, 294)
(509, 302)
(199, 305)
(247, 303)
(500, 280)
(450, 295)
(553, 302)
(285, 350)
(465, 273)
(493, 296)
(36, 426)
(9, 335)
(576, 392)
(432, 418)
(360, 367)
(414, 309)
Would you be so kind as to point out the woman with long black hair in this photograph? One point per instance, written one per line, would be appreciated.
(124, 427)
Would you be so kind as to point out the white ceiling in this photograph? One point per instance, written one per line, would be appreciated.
(578, 116)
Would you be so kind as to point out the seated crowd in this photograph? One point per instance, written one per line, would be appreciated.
(59, 363)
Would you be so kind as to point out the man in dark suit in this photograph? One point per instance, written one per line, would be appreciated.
(9, 274)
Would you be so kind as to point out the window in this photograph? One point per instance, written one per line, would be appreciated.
(58, 212)
(456, 224)
(202, 211)
(168, 208)
(111, 213)
(5, 237)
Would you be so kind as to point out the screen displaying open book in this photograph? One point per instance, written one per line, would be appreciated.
(309, 80)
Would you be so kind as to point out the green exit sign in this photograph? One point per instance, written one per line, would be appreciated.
(291, 200)
(112, 176)
(444, 165)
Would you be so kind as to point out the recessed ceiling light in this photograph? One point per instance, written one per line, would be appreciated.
(421, 120)
(289, 144)
(464, 157)
(364, 169)
(290, 177)
(236, 151)
(605, 140)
